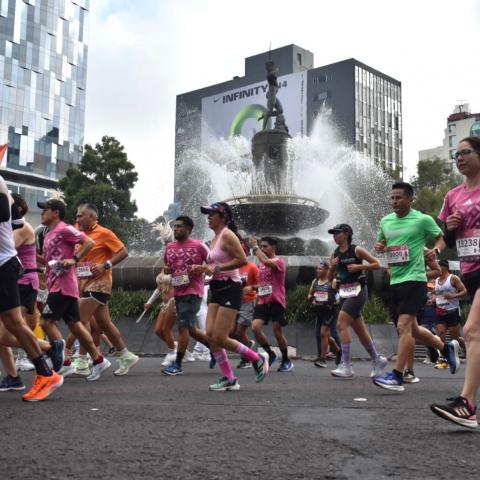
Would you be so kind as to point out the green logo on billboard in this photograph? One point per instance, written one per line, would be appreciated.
(254, 111)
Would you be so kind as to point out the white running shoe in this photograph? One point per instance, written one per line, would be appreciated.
(67, 370)
(169, 358)
(98, 369)
(343, 371)
(23, 364)
(81, 366)
(378, 366)
(202, 356)
(125, 363)
(188, 357)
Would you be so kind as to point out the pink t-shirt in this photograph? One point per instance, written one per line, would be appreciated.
(467, 204)
(179, 257)
(59, 244)
(272, 280)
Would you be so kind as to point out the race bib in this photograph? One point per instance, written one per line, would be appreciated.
(321, 297)
(265, 290)
(350, 290)
(440, 300)
(468, 247)
(84, 271)
(180, 280)
(398, 255)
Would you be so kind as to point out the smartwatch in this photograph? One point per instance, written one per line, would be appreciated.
(107, 265)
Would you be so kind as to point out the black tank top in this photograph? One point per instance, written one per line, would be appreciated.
(325, 287)
(348, 258)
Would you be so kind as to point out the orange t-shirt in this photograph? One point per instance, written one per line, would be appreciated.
(250, 276)
(106, 245)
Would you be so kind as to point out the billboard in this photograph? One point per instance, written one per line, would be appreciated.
(238, 111)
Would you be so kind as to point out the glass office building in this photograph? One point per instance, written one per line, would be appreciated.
(43, 67)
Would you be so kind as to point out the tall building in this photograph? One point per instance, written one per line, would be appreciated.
(460, 124)
(365, 104)
(43, 68)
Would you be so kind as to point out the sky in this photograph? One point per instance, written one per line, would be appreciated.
(142, 53)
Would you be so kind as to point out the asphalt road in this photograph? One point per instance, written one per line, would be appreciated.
(298, 425)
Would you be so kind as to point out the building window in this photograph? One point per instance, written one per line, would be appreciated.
(299, 58)
(452, 128)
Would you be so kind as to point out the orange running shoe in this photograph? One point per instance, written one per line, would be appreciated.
(43, 387)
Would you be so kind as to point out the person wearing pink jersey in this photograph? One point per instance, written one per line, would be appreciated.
(225, 258)
(271, 300)
(461, 217)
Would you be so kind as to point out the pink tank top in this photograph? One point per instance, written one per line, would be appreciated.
(219, 256)
(28, 256)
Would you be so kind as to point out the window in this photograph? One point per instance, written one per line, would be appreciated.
(299, 58)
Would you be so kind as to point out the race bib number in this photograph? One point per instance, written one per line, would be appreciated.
(350, 290)
(398, 255)
(468, 247)
(440, 300)
(84, 271)
(321, 297)
(180, 280)
(265, 290)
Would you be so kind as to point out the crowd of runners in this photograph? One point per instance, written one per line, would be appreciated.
(64, 272)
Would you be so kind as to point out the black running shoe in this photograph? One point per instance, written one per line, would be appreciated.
(459, 412)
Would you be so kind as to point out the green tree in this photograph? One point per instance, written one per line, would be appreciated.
(104, 177)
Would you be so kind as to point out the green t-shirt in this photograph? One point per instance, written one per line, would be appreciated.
(412, 230)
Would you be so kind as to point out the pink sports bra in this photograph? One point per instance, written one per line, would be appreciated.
(219, 256)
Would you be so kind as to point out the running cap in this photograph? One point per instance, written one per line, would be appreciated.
(341, 227)
(213, 208)
(53, 204)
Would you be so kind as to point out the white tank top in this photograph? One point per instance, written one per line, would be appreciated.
(440, 289)
(7, 244)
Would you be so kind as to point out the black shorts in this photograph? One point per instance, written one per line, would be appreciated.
(451, 319)
(323, 317)
(472, 282)
(226, 293)
(100, 297)
(270, 312)
(28, 297)
(408, 298)
(61, 306)
(354, 306)
(9, 275)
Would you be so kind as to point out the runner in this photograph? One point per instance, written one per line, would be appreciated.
(461, 216)
(224, 260)
(322, 297)
(95, 276)
(347, 263)
(403, 235)
(46, 381)
(62, 302)
(271, 303)
(180, 258)
(250, 279)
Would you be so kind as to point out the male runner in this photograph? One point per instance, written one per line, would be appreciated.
(46, 380)
(271, 300)
(403, 235)
(62, 302)
(188, 288)
(95, 276)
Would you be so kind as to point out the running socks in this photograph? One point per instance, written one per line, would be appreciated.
(41, 366)
(267, 348)
(98, 360)
(346, 353)
(372, 350)
(247, 353)
(224, 364)
(179, 358)
(285, 358)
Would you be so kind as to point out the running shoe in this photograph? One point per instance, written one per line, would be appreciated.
(271, 359)
(98, 369)
(452, 356)
(389, 381)
(343, 371)
(42, 387)
(458, 411)
(57, 354)
(188, 357)
(321, 363)
(261, 367)
(111, 351)
(173, 370)
(225, 385)
(244, 364)
(338, 357)
(213, 361)
(378, 366)
(441, 363)
(125, 363)
(10, 383)
(410, 377)
(67, 370)
(252, 345)
(285, 366)
(23, 364)
(169, 358)
(81, 366)
(330, 356)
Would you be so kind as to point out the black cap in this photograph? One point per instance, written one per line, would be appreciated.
(213, 208)
(341, 227)
(54, 204)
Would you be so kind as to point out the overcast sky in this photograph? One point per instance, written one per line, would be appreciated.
(142, 53)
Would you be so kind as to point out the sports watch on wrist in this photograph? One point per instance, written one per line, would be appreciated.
(107, 265)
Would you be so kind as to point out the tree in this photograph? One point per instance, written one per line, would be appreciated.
(434, 173)
(104, 177)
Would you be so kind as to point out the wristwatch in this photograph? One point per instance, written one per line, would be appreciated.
(437, 251)
(107, 265)
(76, 259)
(254, 249)
(217, 269)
